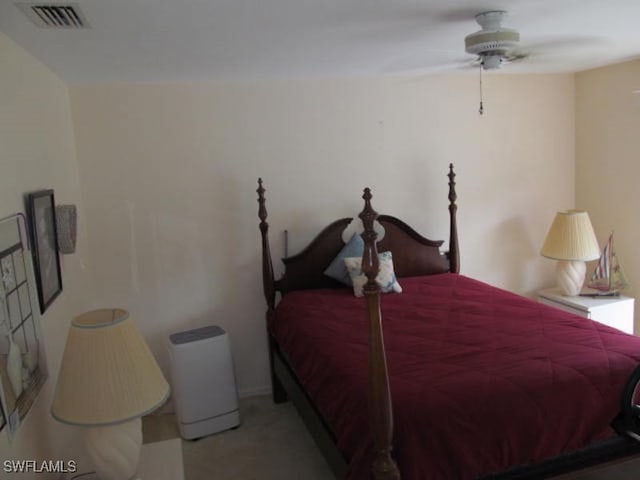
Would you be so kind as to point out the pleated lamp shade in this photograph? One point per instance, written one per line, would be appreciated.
(571, 237)
(108, 374)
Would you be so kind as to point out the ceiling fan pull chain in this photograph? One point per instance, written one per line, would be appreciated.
(481, 109)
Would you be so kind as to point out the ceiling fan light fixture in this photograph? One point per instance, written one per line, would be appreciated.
(493, 40)
(499, 41)
(491, 61)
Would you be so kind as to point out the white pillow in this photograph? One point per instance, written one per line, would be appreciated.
(386, 276)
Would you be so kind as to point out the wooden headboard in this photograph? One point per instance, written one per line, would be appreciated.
(413, 254)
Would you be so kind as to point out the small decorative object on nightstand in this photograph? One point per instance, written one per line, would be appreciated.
(616, 312)
(571, 241)
(608, 277)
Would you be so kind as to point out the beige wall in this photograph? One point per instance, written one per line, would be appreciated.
(607, 166)
(37, 151)
(169, 177)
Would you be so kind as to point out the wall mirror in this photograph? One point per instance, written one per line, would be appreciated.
(22, 366)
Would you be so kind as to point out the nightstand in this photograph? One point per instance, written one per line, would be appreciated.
(616, 312)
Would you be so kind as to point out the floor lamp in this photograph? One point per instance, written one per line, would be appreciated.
(108, 380)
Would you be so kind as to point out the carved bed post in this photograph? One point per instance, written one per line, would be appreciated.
(269, 287)
(454, 254)
(381, 415)
(268, 282)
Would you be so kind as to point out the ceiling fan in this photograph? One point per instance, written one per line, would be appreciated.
(493, 44)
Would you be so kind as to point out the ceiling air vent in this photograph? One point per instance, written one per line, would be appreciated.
(50, 15)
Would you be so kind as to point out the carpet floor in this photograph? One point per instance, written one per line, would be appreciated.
(272, 443)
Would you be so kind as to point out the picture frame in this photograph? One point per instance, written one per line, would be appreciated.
(46, 262)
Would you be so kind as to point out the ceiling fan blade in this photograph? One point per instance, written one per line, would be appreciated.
(560, 46)
(426, 61)
(554, 52)
(566, 44)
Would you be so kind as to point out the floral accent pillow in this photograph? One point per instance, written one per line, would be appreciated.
(386, 276)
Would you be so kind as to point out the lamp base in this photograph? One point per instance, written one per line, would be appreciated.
(115, 449)
(570, 276)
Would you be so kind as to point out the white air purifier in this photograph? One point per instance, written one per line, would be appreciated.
(203, 381)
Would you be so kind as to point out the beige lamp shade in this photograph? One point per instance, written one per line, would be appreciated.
(571, 237)
(108, 374)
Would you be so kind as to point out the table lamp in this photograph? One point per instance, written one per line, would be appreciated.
(572, 241)
(108, 380)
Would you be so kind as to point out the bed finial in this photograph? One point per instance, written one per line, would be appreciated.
(370, 261)
(454, 253)
(381, 416)
(268, 282)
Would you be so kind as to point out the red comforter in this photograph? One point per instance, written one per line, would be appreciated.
(481, 379)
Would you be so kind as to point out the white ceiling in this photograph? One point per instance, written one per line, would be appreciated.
(170, 40)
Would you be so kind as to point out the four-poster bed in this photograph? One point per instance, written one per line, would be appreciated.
(482, 383)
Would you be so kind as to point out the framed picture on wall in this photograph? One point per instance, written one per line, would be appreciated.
(46, 262)
(22, 365)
